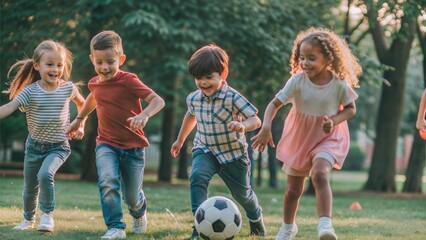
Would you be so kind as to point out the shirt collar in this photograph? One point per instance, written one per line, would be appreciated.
(220, 94)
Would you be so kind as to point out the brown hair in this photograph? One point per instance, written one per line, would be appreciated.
(343, 63)
(107, 39)
(209, 59)
(27, 74)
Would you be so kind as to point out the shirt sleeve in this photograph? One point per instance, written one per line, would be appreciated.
(23, 98)
(349, 95)
(189, 101)
(136, 86)
(243, 107)
(286, 94)
(74, 91)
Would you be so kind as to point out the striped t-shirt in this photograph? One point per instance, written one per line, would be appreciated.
(213, 115)
(47, 112)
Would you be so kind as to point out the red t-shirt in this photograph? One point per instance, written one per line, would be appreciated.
(117, 100)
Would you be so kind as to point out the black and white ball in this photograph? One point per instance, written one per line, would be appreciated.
(218, 218)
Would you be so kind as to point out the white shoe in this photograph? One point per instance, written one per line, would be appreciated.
(139, 224)
(284, 234)
(24, 225)
(326, 232)
(114, 233)
(46, 223)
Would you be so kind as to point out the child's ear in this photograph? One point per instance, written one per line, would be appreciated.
(91, 59)
(35, 65)
(122, 59)
(224, 74)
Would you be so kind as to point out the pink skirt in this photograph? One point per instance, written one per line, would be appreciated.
(303, 137)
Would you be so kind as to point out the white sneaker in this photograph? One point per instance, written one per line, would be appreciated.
(46, 223)
(24, 225)
(114, 233)
(326, 232)
(139, 224)
(284, 234)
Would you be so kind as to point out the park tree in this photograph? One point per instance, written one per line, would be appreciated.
(417, 160)
(394, 53)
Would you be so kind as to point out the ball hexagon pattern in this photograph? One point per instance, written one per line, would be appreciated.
(218, 218)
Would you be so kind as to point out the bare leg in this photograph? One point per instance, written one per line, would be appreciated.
(320, 175)
(293, 191)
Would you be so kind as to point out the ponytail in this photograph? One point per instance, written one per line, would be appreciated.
(26, 74)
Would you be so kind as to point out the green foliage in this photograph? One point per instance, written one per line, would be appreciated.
(355, 159)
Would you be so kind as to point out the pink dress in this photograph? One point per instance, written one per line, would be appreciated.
(303, 135)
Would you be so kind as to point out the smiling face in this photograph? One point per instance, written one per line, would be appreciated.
(51, 67)
(314, 63)
(107, 63)
(209, 84)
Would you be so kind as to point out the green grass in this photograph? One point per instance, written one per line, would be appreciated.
(78, 214)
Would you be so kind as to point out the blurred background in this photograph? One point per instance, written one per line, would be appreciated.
(388, 37)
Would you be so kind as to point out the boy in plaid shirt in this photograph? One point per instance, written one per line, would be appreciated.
(222, 116)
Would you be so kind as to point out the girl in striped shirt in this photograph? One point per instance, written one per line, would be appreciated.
(41, 89)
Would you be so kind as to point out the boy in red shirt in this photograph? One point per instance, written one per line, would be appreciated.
(120, 156)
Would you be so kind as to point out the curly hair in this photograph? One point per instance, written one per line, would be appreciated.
(343, 63)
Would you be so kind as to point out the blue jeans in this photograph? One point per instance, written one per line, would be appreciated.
(117, 167)
(236, 176)
(41, 162)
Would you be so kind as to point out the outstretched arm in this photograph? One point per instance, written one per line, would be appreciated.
(8, 108)
(188, 124)
(329, 122)
(264, 136)
(88, 106)
(156, 103)
(421, 123)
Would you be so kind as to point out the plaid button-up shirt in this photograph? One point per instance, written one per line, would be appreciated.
(213, 115)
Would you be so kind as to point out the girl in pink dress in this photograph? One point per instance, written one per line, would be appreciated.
(315, 137)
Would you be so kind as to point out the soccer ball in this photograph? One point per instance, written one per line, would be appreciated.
(218, 218)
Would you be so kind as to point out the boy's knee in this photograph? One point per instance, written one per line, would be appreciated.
(45, 177)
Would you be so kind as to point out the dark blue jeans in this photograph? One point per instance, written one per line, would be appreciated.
(41, 162)
(236, 176)
(120, 168)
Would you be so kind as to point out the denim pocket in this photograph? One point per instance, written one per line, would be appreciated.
(138, 153)
(242, 162)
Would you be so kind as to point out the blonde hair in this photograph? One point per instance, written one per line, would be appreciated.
(343, 63)
(27, 74)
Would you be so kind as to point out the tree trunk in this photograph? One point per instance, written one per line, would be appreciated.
(259, 170)
(416, 164)
(183, 162)
(90, 172)
(382, 171)
(272, 167)
(168, 131)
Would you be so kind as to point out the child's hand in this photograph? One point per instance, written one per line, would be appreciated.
(74, 128)
(175, 150)
(79, 134)
(327, 124)
(262, 138)
(138, 121)
(421, 124)
(236, 126)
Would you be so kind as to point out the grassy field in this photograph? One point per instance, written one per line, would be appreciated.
(78, 214)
